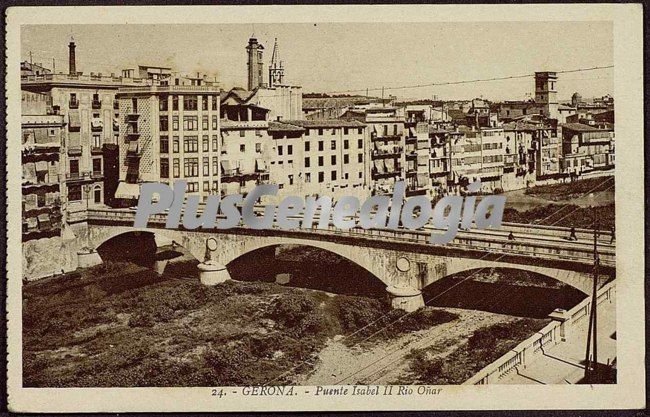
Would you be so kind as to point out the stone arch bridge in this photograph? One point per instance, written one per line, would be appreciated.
(400, 258)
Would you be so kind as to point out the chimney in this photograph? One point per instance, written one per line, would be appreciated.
(71, 58)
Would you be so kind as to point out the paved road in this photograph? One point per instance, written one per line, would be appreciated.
(563, 363)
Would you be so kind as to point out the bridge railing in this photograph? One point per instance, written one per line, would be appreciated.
(552, 334)
(531, 246)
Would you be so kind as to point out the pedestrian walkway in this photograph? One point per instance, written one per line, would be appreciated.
(564, 363)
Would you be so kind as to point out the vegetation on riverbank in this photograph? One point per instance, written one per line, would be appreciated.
(568, 190)
(565, 215)
(486, 345)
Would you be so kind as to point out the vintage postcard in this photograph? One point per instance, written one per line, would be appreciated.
(294, 208)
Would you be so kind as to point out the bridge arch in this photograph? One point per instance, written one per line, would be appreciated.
(310, 266)
(582, 281)
(507, 290)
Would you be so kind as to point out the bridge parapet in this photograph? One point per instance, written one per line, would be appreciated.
(474, 241)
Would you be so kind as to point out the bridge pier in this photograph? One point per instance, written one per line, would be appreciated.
(405, 297)
(88, 257)
(212, 273)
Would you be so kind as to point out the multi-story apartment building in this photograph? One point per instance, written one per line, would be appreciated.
(385, 135)
(169, 131)
(586, 148)
(42, 136)
(477, 154)
(324, 157)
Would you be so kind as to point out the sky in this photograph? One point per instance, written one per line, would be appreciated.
(336, 57)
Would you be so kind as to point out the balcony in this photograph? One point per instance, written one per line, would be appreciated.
(96, 104)
(78, 176)
(386, 138)
(132, 116)
(74, 150)
(413, 191)
(132, 134)
(236, 175)
(97, 175)
(74, 104)
(386, 152)
(96, 150)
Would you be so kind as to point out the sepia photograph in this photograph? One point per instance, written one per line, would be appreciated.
(287, 211)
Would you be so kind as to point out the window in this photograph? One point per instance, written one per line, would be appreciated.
(97, 141)
(164, 144)
(190, 123)
(346, 159)
(321, 177)
(206, 166)
(215, 103)
(74, 192)
(163, 123)
(258, 147)
(175, 103)
(134, 101)
(206, 143)
(333, 159)
(360, 158)
(163, 104)
(190, 103)
(306, 134)
(204, 102)
(215, 142)
(192, 187)
(320, 161)
(190, 144)
(360, 130)
(205, 122)
(191, 167)
(97, 165)
(258, 132)
(175, 144)
(320, 132)
(307, 177)
(346, 144)
(215, 166)
(289, 149)
(242, 147)
(306, 146)
(215, 122)
(346, 130)
(360, 174)
(164, 168)
(174, 122)
(280, 150)
(290, 176)
(333, 131)
(74, 166)
(333, 145)
(242, 133)
(360, 143)
(206, 185)
(177, 168)
(307, 162)
(320, 145)
(333, 175)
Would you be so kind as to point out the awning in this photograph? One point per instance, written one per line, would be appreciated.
(73, 119)
(225, 166)
(96, 123)
(133, 146)
(260, 164)
(390, 165)
(41, 166)
(411, 132)
(127, 191)
(43, 218)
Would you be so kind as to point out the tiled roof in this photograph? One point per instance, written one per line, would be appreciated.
(325, 123)
(284, 127)
(579, 127)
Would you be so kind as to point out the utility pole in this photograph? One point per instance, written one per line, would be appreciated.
(382, 97)
(591, 362)
(30, 58)
(53, 66)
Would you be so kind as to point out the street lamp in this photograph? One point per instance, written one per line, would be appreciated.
(87, 189)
